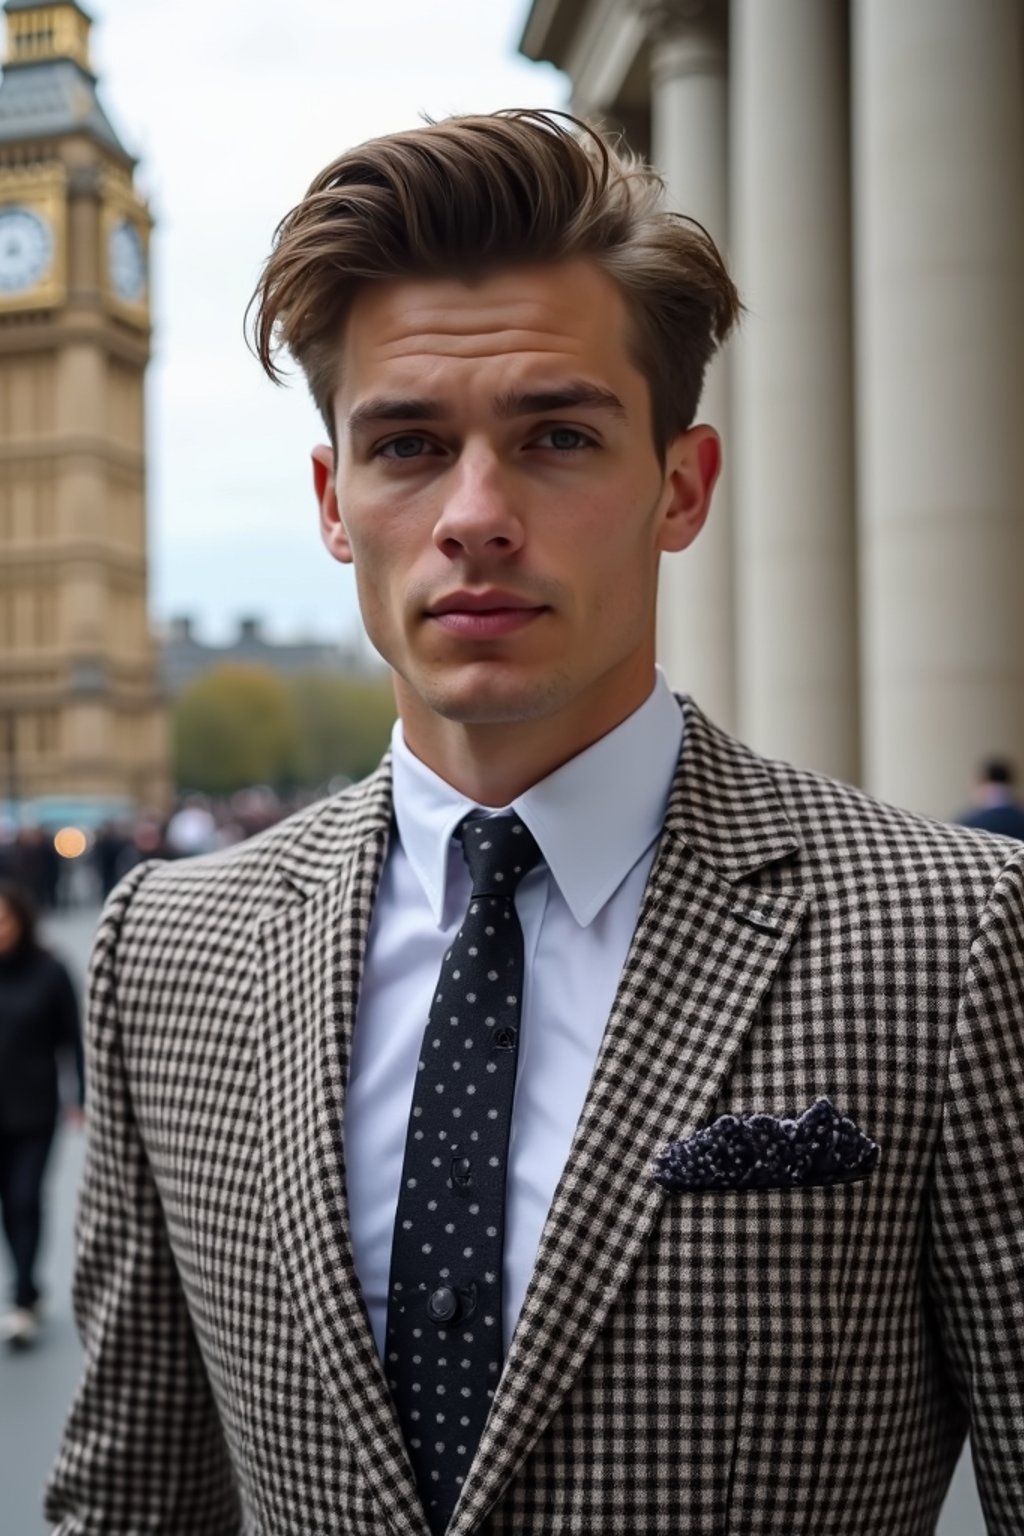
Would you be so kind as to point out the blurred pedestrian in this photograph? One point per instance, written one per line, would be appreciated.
(38, 1022)
(996, 807)
(192, 829)
(8, 848)
(38, 866)
(146, 842)
(109, 845)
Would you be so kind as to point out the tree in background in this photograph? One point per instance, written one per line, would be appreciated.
(344, 725)
(242, 725)
(233, 727)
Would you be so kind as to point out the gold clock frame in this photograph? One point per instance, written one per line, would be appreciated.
(42, 190)
(121, 204)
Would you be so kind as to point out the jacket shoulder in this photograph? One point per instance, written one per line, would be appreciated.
(230, 887)
(842, 833)
(851, 822)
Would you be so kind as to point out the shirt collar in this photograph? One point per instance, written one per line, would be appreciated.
(592, 818)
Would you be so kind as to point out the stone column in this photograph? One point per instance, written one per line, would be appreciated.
(689, 135)
(792, 428)
(939, 208)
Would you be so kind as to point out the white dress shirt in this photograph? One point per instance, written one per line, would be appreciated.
(597, 820)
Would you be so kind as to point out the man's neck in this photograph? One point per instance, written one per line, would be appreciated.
(493, 764)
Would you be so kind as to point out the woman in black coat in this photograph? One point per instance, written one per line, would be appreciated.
(38, 1020)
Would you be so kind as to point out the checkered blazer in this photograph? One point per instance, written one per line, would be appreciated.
(765, 1362)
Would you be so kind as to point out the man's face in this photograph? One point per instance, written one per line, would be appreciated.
(498, 491)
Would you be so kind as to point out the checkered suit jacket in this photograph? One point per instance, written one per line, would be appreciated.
(800, 1362)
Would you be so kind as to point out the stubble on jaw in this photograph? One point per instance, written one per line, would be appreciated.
(480, 702)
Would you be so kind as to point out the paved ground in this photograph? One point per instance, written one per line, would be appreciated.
(36, 1387)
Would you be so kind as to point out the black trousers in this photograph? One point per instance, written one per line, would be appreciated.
(23, 1157)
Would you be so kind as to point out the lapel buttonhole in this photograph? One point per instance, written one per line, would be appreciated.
(755, 919)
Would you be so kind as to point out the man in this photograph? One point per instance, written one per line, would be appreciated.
(996, 807)
(583, 1125)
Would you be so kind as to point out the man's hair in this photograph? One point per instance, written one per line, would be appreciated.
(997, 770)
(470, 195)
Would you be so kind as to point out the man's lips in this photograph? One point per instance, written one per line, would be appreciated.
(484, 615)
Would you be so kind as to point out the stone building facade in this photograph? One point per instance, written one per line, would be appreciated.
(81, 710)
(855, 601)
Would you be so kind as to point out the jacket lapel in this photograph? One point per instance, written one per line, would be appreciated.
(311, 948)
(706, 949)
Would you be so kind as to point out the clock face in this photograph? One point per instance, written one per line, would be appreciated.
(26, 249)
(127, 259)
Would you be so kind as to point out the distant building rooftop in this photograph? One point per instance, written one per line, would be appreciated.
(184, 657)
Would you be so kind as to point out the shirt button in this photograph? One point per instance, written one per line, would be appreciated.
(442, 1304)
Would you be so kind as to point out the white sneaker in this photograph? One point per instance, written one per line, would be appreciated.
(19, 1327)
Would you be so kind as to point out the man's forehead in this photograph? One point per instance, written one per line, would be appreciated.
(545, 322)
(543, 307)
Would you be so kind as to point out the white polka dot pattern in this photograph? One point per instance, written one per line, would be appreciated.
(446, 1259)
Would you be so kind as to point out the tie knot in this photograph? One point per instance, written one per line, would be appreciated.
(499, 850)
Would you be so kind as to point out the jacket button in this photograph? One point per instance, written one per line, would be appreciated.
(442, 1304)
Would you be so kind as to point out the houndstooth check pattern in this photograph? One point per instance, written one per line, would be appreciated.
(766, 1362)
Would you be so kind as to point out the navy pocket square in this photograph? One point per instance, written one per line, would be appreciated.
(768, 1152)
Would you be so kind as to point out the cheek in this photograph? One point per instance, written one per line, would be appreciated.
(622, 570)
(383, 560)
(618, 546)
(370, 539)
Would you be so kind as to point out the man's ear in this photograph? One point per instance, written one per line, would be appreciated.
(692, 466)
(332, 528)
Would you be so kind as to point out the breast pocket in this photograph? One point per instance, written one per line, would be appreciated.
(780, 1255)
(780, 1267)
(723, 1346)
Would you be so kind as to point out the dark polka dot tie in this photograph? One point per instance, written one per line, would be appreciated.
(443, 1352)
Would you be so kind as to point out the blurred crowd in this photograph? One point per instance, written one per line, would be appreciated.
(58, 870)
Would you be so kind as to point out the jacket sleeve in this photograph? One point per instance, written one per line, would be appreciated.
(976, 1209)
(142, 1448)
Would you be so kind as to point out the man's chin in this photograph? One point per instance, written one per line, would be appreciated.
(492, 700)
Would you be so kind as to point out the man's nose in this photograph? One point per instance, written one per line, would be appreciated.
(479, 513)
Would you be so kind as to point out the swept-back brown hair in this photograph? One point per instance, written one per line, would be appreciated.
(467, 195)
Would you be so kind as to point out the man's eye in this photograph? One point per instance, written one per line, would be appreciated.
(410, 446)
(564, 439)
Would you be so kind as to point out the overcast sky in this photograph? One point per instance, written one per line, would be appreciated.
(233, 106)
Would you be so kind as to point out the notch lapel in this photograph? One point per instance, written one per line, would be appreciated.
(703, 957)
(312, 951)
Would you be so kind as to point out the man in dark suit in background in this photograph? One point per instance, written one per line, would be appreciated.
(996, 807)
(583, 1125)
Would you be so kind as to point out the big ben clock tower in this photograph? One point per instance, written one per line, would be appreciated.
(80, 711)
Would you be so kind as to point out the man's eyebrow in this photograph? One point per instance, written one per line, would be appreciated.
(384, 408)
(535, 402)
(562, 397)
